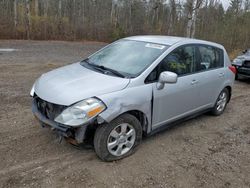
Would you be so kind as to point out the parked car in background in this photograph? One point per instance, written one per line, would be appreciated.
(135, 86)
(242, 64)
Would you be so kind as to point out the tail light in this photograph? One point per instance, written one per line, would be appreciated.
(233, 69)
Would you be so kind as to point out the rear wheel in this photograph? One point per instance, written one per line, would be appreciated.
(119, 138)
(221, 102)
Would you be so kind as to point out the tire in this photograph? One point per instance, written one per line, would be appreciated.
(222, 99)
(113, 142)
(236, 76)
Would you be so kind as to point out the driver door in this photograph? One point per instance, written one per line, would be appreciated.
(176, 100)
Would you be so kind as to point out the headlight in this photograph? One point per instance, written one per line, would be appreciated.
(237, 61)
(81, 112)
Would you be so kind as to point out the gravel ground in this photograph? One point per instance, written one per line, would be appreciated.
(203, 152)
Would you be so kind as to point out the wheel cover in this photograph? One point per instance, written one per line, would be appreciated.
(221, 102)
(121, 139)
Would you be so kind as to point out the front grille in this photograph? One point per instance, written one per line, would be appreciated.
(49, 110)
(246, 64)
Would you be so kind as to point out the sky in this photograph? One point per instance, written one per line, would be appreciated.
(225, 3)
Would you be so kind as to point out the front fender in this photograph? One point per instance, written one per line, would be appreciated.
(134, 98)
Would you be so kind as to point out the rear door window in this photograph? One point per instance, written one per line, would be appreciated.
(209, 58)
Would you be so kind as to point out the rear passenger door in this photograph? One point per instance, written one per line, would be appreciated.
(210, 72)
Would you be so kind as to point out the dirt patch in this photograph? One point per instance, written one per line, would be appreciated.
(203, 152)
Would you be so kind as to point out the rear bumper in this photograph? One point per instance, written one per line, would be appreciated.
(78, 134)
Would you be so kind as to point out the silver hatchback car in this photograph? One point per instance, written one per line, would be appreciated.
(133, 87)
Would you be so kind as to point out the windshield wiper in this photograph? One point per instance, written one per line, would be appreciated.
(104, 69)
(117, 73)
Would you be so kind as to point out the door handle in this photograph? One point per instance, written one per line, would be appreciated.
(194, 82)
(221, 74)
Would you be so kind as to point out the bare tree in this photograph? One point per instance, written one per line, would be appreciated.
(60, 8)
(27, 18)
(15, 16)
(36, 7)
(113, 13)
(45, 7)
(172, 17)
(192, 7)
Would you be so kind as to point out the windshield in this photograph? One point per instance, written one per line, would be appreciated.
(127, 57)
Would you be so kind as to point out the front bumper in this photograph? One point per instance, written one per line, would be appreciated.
(244, 71)
(77, 134)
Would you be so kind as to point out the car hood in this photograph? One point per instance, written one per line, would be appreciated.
(243, 57)
(72, 83)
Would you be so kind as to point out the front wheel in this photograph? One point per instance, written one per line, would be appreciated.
(221, 102)
(236, 76)
(118, 139)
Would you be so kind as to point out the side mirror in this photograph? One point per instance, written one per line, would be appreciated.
(166, 77)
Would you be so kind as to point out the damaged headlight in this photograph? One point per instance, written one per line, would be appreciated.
(81, 112)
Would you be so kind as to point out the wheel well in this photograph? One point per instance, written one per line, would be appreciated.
(141, 117)
(90, 131)
(230, 92)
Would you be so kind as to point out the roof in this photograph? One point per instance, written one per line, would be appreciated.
(168, 40)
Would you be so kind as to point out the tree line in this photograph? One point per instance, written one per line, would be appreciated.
(107, 20)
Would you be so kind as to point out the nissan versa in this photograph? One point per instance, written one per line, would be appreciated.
(133, 87)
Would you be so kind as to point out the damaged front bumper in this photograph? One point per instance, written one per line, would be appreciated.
(72, 134)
